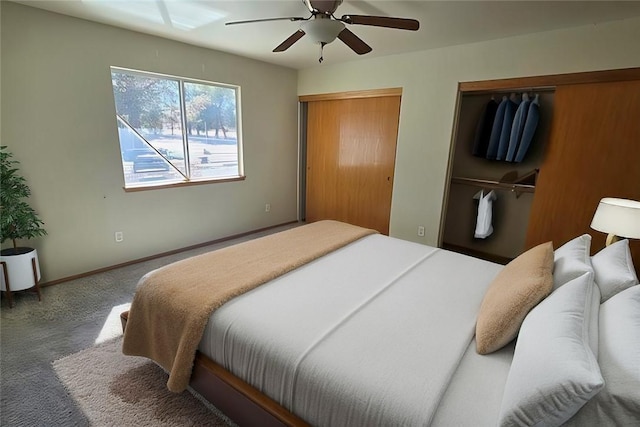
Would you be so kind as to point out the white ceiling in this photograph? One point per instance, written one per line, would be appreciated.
(442, 23)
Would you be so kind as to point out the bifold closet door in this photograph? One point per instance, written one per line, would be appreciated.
(351, 151)
(593, 152)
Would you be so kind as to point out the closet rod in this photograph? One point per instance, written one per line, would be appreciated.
(486, 183)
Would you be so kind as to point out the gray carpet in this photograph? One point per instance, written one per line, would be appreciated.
(72, 316)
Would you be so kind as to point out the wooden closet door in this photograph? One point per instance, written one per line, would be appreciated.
(593, 152)
(351, 151)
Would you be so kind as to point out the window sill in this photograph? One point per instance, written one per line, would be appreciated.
(183, 184)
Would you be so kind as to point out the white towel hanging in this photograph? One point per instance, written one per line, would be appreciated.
(485, 213)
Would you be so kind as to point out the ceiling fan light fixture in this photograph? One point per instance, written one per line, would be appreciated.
(322, 31)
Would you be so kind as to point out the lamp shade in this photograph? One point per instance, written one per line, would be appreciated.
(322, 30)
(618, 216)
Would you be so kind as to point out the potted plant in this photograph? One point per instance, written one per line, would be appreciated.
(18, 220)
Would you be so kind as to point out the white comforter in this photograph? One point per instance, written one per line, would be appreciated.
(368, 335)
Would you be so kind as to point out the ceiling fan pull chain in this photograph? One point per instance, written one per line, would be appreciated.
(321, 48)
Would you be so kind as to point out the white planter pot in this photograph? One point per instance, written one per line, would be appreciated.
(19, 270)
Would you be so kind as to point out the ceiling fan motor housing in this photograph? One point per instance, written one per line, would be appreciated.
(323, 6)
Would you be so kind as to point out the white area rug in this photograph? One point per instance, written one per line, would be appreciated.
(117, 390)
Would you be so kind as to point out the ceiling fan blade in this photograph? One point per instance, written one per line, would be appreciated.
(290, 18)
(290, 41)
(382, 21)
(354, 42)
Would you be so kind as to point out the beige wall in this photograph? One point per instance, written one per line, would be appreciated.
(430, 80)
(58, 119)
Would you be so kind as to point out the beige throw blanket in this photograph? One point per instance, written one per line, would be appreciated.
(173, 304)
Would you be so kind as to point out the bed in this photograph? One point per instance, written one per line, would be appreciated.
(381, 331)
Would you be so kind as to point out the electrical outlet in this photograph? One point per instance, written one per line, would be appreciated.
(420, 231)
(267, 207)
(119, 236)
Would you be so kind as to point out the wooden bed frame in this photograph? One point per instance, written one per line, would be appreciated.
(237, 399)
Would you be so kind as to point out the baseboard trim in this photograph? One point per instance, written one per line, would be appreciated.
(160, 255)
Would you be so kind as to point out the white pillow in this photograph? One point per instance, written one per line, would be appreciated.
(618, 404)
(614, 269)
(571, 260)
(554, 370)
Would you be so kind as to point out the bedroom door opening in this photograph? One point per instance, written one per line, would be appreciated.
(349, 157)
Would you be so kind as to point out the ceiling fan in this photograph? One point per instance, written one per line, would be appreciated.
(323, 27)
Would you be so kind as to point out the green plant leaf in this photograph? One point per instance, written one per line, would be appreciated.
(18, 220)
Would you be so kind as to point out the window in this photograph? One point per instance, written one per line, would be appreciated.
(175, 130)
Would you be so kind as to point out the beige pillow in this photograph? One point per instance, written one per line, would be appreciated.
(519, 287)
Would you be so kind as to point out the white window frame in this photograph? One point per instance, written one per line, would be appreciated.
(188, 180)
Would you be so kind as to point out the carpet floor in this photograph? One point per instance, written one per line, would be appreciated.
(72, 316)
(112, 389)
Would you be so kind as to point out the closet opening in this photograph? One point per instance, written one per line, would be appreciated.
(498, 145)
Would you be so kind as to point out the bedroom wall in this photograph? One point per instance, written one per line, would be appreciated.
(59, 121)
(430, 79)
